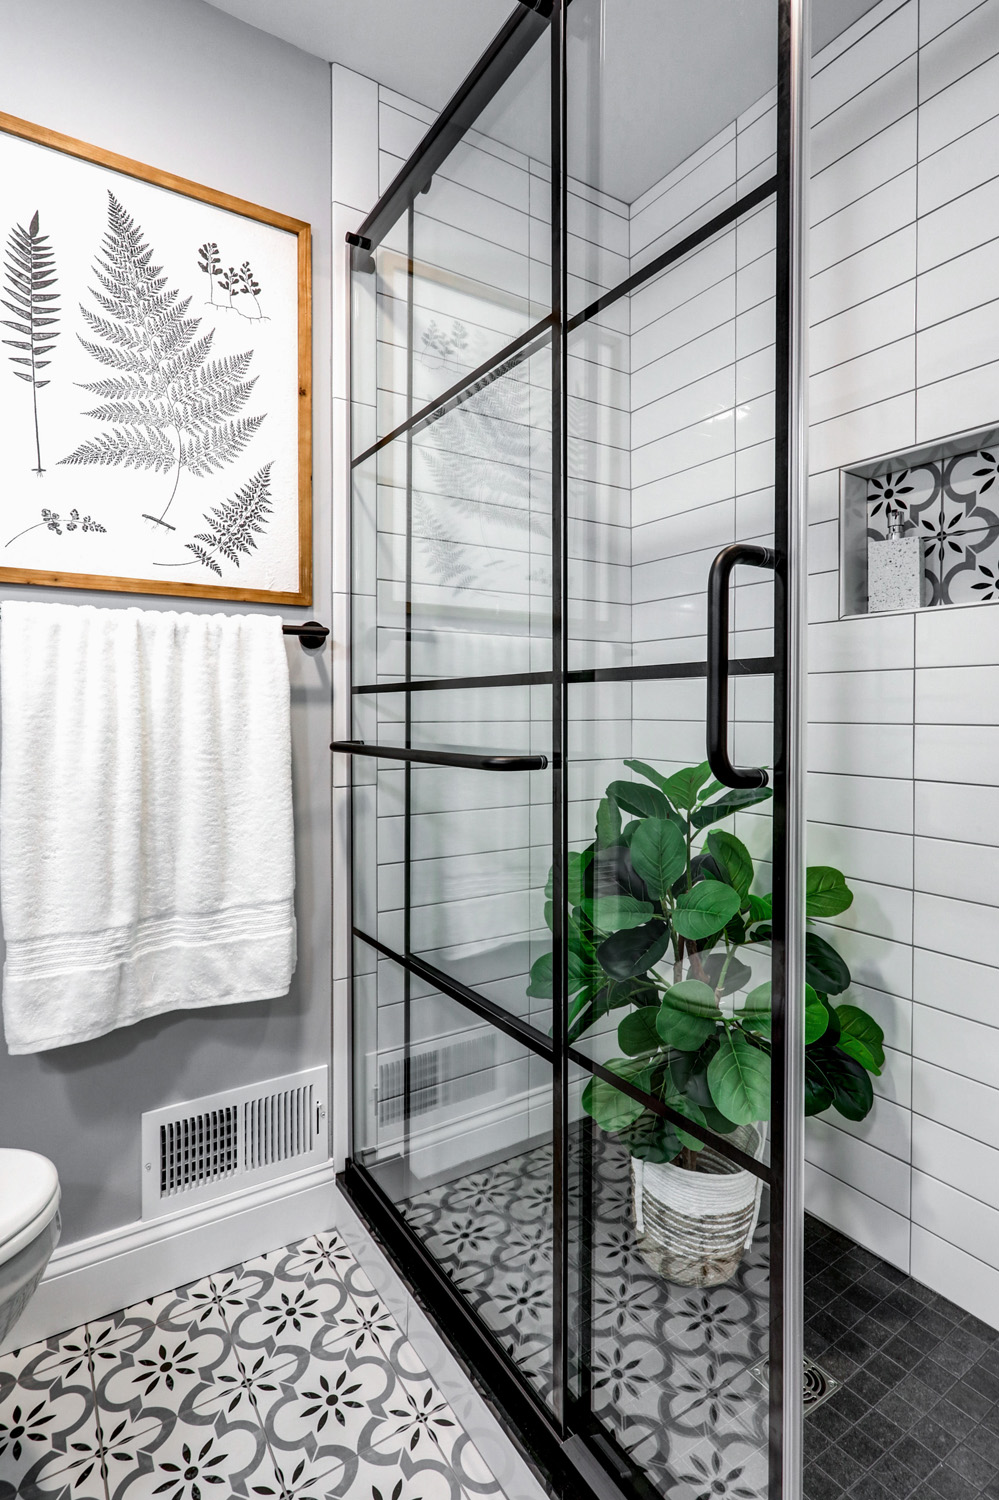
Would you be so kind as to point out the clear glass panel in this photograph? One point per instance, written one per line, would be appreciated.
(453, 1122)
(672, 117)
(672, 1369)
(480, 274)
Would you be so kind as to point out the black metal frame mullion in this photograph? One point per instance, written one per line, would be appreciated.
(487, 1010)
(407, 862)
(559, 739)
(779, 976)
(747, 666)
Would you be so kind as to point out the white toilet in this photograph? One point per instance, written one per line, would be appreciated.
(29, 1229)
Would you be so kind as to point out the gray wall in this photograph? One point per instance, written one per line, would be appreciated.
(184, 87)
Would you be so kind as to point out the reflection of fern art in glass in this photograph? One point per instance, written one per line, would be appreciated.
(233, 526)
(442, 349)
(29, 275)
(234, 283)
(168, 406)
(55, 522)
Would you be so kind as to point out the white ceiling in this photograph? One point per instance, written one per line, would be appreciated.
(654, 78)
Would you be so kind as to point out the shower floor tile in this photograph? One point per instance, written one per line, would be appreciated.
(284, 1378)
(916, 1414)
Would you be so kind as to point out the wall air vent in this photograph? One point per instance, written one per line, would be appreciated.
(437, 1076)
(207, 1148)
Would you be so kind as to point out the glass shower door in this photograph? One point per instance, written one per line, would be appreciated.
(574, 742)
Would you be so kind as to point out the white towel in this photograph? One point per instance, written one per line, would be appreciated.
(146, 842)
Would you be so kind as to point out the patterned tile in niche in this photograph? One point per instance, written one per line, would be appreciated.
(952, 504)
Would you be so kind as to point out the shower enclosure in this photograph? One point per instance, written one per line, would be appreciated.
(576, 439)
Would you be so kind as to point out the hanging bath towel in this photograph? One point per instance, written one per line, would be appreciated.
(146, 842)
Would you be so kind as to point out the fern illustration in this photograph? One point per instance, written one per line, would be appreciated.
(234, 525)
(250, 287)
(228, 280)
(168, 406)
(29, 274)
(55, 522)
(211, 265)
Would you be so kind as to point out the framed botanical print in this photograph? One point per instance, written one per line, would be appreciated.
(155, 380)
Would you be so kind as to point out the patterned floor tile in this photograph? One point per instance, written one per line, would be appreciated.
(202, 1448)
(48, 1418)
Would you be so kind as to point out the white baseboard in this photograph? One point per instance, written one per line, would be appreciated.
(91, 1278)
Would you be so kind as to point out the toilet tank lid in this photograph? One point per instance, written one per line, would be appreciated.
(29, 1192)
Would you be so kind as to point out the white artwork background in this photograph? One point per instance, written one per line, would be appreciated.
(71, 199)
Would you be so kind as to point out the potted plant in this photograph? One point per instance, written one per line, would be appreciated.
(663, 923)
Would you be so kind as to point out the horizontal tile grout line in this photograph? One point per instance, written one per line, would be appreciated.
(962, 76)
(912, 166)
(873, 83)
(857, 42)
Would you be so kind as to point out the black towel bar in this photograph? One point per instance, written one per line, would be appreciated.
(310, 633)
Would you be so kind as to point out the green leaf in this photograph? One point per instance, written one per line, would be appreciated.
(578, 864)
(641, 801)
(634, 951)
(826, 892)
(612, 913)
(732, 801)
(761, 908)
(659, 854)
(680, 1029)
(542, 985)
(755, 1012)
(651, 1138)
(637, 1034)
(819, 1091)
(853, 1094)
(816, 1017)
(612, 1109)
(739, 1079)
(683, 786)
(825, 971)
(703, 911)
(861, 1037)
(737, 974)
(733, 859)
(693, 997)
(608, 821)
(648, 772)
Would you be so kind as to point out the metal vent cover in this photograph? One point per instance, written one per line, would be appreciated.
(207, 1148)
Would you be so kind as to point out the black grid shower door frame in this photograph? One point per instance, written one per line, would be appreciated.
(520, 34)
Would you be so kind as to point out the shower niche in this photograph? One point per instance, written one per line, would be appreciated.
(920, 527)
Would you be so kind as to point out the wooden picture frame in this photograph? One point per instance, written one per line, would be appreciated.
(128, 310)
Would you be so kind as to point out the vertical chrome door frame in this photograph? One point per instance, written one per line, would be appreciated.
(790, 649)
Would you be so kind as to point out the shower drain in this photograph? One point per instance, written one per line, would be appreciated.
(819, 1384)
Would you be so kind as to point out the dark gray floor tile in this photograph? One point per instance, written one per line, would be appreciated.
(980, 1329)
(840, 1465)
(971, 1465)
(969, 1399)
(919, 1337)
(985, 1440)
(869, 1488)
(898, 1410)
(867, 1387)
(829, 1420)
(896, 1476)
(934, 1437)
(899, 1348)
(983, 1380)
(948, 1484)
(956, 1421)
(933, 1322)
(935, 1376)
(820, 1485)
(839, 1363)
(886, 1369)
(917, 1394)
(920, 1460)
(846, 1311)
(870, 1441)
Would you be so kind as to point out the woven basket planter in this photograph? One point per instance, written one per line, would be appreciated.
(693, 1228)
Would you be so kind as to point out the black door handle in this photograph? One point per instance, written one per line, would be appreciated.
(717, 715)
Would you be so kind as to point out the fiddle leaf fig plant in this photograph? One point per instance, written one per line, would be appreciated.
(663, 924)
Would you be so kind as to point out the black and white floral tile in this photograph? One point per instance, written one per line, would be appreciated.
(952, 505)
(284, 1378)
(670, 1367)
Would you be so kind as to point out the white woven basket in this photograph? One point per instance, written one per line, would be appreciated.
(694, 1227)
